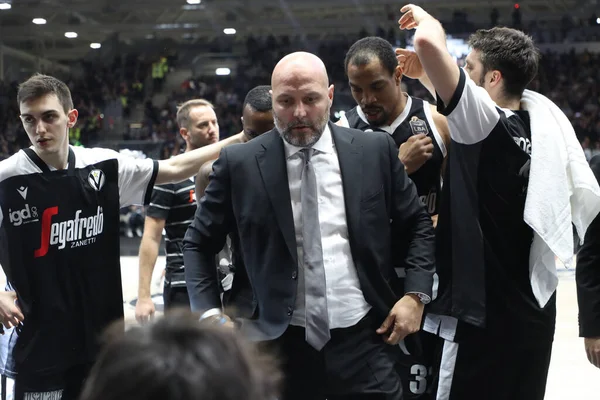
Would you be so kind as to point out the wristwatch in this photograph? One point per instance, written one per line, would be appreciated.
(423, 298)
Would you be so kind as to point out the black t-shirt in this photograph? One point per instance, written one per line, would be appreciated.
(60, 250)
(176, 204)
(483, 242)
(416, 118)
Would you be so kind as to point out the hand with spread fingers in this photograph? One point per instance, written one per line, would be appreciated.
(10, 313)
(412, 16)
(403, 319)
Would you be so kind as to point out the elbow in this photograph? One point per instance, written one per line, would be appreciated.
(424, 45)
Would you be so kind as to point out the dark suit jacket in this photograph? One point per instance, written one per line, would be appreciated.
(587, 273)
(249, 193)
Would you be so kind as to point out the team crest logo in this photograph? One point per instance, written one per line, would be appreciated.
(418, 126)
(96, 179)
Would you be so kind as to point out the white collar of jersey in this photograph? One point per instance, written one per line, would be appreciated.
(324, 144)
(390, 128)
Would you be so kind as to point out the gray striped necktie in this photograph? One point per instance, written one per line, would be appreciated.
(317, 321)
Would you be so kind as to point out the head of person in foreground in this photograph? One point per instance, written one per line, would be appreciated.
(179, 358)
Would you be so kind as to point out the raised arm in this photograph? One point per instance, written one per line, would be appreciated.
(471, 112)
(430, 45)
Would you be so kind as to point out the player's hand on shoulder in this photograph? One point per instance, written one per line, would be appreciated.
(10, 314)
(415, 152)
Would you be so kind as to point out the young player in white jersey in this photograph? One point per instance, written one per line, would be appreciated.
(59, 240)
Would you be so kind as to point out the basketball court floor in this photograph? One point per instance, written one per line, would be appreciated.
(571, 376)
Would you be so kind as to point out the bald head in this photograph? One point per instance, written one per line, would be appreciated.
(300, 65)
(301, 98)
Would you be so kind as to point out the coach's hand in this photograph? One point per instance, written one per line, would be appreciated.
(10, 313)
(404, 319)
(415, 152)
(144, 310)
(592, 348)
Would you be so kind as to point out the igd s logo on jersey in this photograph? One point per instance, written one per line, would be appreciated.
(24, 216)
(76, 232)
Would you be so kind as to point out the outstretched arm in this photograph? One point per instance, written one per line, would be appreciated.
(185, 165)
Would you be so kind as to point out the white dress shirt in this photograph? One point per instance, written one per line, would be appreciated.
(346, 304)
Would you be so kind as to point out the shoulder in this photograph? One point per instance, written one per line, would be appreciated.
(85, 156)
(206, 168)
(17, 164)
(164, 188)
(254, 145)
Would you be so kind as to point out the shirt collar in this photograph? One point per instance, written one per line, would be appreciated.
(324, 144)
(390, 128)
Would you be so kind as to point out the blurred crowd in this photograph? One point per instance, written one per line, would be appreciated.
(106, 94)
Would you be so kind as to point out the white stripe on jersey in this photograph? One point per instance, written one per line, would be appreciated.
(177, 239)
(180, 223)
(434, 130)
(160, 189)
(186, 189)
(159, 206)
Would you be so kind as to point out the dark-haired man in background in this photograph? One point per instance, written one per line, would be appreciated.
(257, 118)
(421, 133)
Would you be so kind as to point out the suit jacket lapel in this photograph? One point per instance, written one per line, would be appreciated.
(273, 169)
(350, 158)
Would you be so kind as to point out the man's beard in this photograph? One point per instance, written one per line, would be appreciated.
(381, 121)
(302, 140)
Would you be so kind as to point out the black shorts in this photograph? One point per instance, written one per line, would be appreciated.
(63, 386)
(482, 367)
(415, 358)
